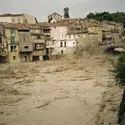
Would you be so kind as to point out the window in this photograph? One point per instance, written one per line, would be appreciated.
(61, 51)
(26, 47)
(13, 32)
(0, 39)
(13, 48)
(38, 37)
(18, 20)
(14, 57)
(26, 21)
(13, 20)
(61, 44)
(65, 44)
(53, 42)
(73, 44)
(12, 40)
(24, 39)
(25, 58)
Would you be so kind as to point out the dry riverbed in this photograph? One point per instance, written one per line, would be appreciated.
(62, 92)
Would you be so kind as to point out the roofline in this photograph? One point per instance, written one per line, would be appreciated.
(11, 15)
(55, 13)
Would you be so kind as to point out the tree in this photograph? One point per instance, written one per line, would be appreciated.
(66, 12)
(50, 19)
(91, 16)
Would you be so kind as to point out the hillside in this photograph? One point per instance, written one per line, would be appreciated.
(117, 17)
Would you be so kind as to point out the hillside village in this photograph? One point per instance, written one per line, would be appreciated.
(23, 39)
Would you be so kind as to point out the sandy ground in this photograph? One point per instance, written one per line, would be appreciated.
(62, 92)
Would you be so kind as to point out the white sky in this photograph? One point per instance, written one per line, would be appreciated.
(42, 8)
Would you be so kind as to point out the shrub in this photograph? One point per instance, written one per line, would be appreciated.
(121, 109)
(120, 70)
(120, 78)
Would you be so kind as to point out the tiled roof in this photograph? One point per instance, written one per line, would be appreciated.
(55, 13)
(6, 15)
(21, 26)
(8, 25)
(94, 25)
(33, 26)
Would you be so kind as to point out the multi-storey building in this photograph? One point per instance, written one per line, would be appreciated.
(24, 42)
(3, 45)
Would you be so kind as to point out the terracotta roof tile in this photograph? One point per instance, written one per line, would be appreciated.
(9, 14)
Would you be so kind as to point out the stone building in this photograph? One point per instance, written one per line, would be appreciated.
(25, 42)
(113, 26)
(25, 45)
(12, 37)
(63, 41)
(18, 18)
(96, 28)
(87, 43)
(3, 45)
(110, 37)
(54, 17)
(38, 41)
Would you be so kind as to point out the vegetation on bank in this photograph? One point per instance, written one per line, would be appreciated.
(120, 78)
(120, 70)
(116, 17)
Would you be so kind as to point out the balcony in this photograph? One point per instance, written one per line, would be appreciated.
(38, 46)
(38, 41)
(107, 37)
(13, 42)
(25, 48)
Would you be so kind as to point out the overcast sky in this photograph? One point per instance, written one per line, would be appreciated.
(42, 8)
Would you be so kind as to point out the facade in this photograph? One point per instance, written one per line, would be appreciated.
(18, 18)
(87, 43)
(95, 28)
(38, 42)
(58, 35)
(120, 28)
(24, 43)
(3, 46)
(54, 17)
(110, 37)
(13, 44)
(62, 42)
(113, 26)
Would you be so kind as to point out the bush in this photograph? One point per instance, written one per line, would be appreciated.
(121, 109)
(120, 70)
(120, 78)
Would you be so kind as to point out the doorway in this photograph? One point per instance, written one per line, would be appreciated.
(36, 58)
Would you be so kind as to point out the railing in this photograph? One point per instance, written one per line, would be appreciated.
(38, 41)
(25, 48)
(13, 42)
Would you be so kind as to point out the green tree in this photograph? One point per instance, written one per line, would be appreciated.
(66, 12)
(91, 16)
